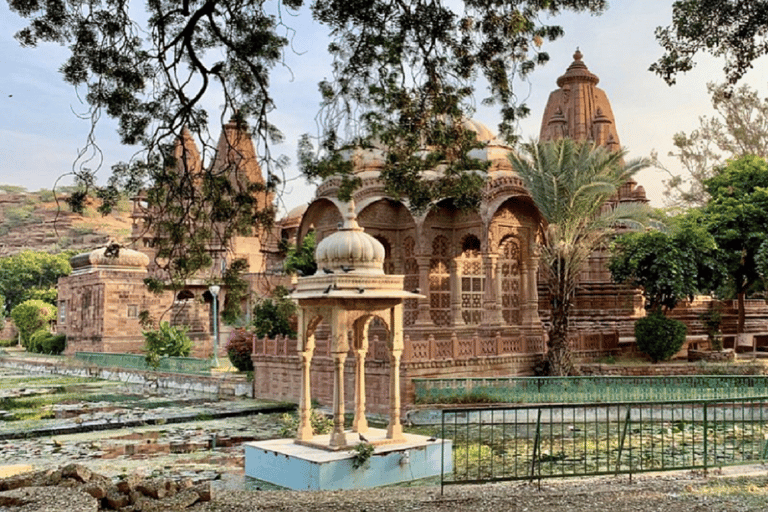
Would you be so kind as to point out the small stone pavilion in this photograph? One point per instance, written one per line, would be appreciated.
(348, 291)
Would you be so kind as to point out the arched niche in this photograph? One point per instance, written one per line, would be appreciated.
(323, 215)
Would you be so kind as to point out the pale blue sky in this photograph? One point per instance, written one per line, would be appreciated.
(41, 132)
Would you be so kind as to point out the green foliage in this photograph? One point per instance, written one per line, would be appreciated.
(669, 266)
(363, 452)
(237, 290)
(31, 274)
(712, 319)
(12, 189)
(732, 29)
(738, 128)
(659, 337)
(300, 258)
(570, 182)
(321, 424)
(276, 315)
(167, 341)
(239, 348)
(404, 77)
(30, 316)
(737, 218)
(43, 341)
(16, 216)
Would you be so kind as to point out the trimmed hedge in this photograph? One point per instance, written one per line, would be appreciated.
(659, 337)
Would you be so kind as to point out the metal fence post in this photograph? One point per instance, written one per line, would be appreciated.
(621, 444)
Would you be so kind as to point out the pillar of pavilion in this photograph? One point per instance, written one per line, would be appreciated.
(347, 292)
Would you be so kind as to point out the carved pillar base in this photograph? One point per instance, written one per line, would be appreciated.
(338, 437)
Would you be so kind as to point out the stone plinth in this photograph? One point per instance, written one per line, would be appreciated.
(294, 466)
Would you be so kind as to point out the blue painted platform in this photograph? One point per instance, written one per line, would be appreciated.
(287, 464)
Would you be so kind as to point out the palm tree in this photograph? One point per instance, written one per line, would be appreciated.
(572, 184)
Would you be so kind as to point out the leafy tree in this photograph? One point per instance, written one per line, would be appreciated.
(738, 128)
(737, 218)
(31, 274)
(237, 289)
(668, 266)
(404, 76)
(571, 183)
(275, 315)
(300, 257)
(30, 316)
(732, 29)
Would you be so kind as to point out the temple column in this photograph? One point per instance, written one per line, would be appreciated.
(456, 317)
(339, 349)
(360, 424)
(423, 318)
(532, 297)
(305, 432)
(395, 429)
(306, 348)
(491, 292)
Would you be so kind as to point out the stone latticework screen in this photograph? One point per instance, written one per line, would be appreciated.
(411, 280)
(509, 267)
(440, 282)
(472, 281)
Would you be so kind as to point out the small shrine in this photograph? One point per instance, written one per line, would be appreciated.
(348, 291)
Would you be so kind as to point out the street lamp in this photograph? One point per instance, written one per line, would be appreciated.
(214, 289)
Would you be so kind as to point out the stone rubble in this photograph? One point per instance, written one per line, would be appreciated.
(79, 489)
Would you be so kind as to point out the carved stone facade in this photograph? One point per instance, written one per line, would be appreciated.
(101, 300)
(482, 313)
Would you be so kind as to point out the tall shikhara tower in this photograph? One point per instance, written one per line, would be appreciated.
(580, 110)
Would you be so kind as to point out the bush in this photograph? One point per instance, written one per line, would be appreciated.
(239, 348)
(659, 337)
(167, 341)
(30, 316)
(44, 342)
(55, 344)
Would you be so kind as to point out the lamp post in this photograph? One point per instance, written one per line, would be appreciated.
(214, 289)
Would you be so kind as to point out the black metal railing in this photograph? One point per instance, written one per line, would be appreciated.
(570, 440)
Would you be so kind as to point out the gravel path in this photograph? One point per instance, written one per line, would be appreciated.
(684, 492)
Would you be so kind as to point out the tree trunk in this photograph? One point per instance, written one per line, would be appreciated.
(559, 355)
(742, 315)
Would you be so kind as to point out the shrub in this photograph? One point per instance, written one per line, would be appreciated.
(239, 348)
(167, 341)
(276, 315)
(30, 316)
(659, 337)
(55, 344)
(44, 342)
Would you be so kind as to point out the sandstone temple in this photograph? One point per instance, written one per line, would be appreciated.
(480, 310)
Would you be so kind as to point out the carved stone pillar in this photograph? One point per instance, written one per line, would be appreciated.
(423, 317)
(532, 297)
(305, 348)
(395, 429)
(492, 291)
(338, 437)
(339, 349)
(456, 317)
(305, 408)
(360, 424)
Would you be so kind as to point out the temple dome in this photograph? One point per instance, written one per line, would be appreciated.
(350, 249)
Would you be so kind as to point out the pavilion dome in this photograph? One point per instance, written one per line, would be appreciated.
(350, 249)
